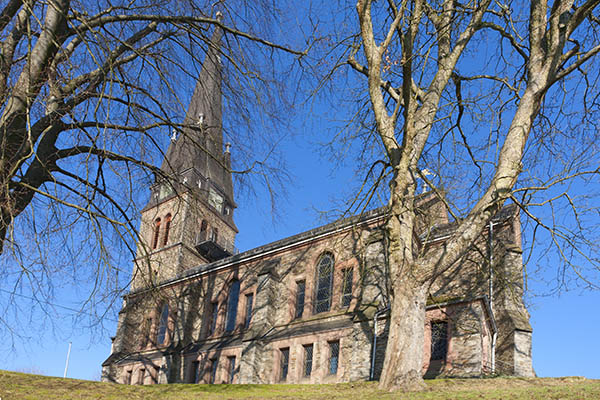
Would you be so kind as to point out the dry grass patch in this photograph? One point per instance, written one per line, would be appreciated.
(19, 386)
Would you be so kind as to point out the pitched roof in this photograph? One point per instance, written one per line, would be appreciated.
(200, 144)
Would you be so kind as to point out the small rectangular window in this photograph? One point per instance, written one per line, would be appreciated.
(346, 287)
(213, 370)
(231, 368)
(308, 359)
(214, 314)
(248, 319)
(195, 372)
(334, 357)
(284, 363)
(180, 320)
(147, 333)
(154, 375)
(300, 295)
(141, 376)
(439, 340)
(128, 374)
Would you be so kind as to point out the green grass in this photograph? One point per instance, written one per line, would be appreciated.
(18, 386)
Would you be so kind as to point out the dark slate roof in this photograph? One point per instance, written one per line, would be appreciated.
(200, 145)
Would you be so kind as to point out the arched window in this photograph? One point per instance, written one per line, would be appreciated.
(155, 233)
(161, 333)
(324, 283)
(167, 229)
(232, 305)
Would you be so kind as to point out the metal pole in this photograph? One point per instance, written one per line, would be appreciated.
(67, 364)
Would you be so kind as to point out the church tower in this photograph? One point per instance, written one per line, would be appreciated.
(189, 218)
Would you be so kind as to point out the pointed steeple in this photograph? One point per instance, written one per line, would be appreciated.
(199, 147)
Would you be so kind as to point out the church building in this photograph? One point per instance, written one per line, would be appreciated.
(310, 308)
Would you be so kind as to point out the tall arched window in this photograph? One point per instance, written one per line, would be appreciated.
(155, 233)
(161, 333)
(324, 283)
(232, 305)
(167, 229)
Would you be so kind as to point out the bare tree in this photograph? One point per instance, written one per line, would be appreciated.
(498, 101)
(90, 93)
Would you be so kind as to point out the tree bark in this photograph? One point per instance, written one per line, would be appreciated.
(403, 362)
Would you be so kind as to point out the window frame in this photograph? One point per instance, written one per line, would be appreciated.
(347, 287)
(213, 317)
(249, 309)
(214, 365)
(128, 376)
(155, 233)
(233, 301)
(324, 304)
(141, 378)
(440, 354)
(147, 333)
(284, 363)
(230, 369)
(167, 229)
(195, 372)
(300, 298)
(334, 348)
(309, 356)
(163, 325)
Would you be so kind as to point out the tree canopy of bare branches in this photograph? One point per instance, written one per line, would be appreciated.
(90, 93)
(484, 102)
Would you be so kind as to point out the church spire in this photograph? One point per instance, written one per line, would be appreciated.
(199, 148)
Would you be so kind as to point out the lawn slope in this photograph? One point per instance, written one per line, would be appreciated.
(18, 386)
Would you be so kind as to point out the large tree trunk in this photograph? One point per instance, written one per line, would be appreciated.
(404, 352)
(403, 363)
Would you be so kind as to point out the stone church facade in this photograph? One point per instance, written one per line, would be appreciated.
(311, 308)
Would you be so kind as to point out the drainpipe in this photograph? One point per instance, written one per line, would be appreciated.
(491, 294)
(375, 318)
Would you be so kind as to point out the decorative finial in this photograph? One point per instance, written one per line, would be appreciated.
(426, 173)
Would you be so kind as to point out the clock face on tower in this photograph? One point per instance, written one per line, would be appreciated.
(215, 200)
(165, 190)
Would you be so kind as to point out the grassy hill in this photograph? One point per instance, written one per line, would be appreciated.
(17, 386)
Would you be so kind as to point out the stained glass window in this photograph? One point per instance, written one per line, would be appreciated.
(324, 283)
